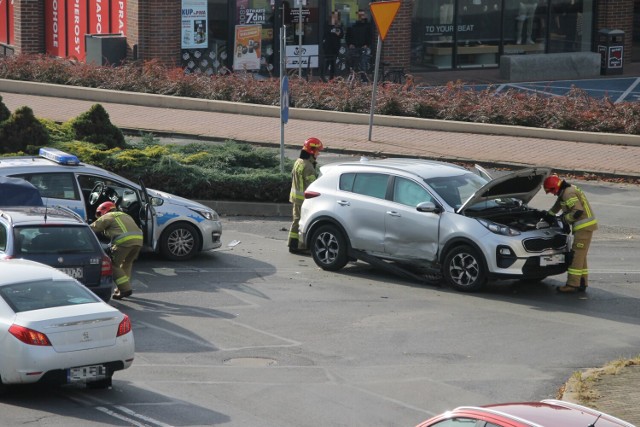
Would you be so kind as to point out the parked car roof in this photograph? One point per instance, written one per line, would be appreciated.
(18, 192)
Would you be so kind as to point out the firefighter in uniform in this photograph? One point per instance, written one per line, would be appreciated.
(302, 174)
(577, 213)
(126, 242)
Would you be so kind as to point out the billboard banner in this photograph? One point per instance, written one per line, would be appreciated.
(76, 28)
(118, 17)
(194, 24)
(247, 47)
(55, 28)
(99, 17)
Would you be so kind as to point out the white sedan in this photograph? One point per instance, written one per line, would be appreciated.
(55, 330)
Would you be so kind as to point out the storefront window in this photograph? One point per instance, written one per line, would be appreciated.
(204, 35)
(570, 25)
(478, 33)
(303, 35)
(432, 34)
(253, 40)
(525, 26)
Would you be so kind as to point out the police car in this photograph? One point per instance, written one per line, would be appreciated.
(173, 226)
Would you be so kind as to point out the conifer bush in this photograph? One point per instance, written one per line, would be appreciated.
(22, 132)
(4, 111)
(95, 126)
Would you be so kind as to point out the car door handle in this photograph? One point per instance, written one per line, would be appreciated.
(344, 203)
(393, 213)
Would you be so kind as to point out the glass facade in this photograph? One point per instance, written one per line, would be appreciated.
(455, 34)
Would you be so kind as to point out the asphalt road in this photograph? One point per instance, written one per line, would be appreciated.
(251, 335)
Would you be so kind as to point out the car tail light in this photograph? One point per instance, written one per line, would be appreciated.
(311, 194)
(29, 336)
(124, 327)
(106, 269)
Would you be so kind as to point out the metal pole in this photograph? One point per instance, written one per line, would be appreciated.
(300, 38)
(374, 92)
(283, 61)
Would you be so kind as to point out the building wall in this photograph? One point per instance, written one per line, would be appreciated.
(29, 26)
(153, 30)
(395, 47)
(617, 14)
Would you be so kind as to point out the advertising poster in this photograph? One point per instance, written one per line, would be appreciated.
(76, 28)
(615, 56)
(55, 28)
(247, 47)
(194, 24)
(119, 17)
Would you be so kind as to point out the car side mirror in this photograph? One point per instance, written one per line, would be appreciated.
(428, 207)
(157, 201)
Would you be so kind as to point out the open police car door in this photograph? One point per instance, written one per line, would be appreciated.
(148, 219)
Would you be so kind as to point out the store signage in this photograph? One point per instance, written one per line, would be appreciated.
(118, 24)
(194, 24)
(247, 41)
(255, 16)
(99, 16)
(306, 54)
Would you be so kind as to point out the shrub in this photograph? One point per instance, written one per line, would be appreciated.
(96, 127)
(22, 132)
(4, 111)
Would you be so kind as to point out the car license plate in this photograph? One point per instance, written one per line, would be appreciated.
(551, 260)
(86, 373)
(75, 272)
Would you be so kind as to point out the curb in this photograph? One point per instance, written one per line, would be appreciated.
(183, 103)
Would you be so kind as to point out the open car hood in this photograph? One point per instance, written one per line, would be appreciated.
(522, 185)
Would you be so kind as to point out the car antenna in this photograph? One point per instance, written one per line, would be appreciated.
(593, 424)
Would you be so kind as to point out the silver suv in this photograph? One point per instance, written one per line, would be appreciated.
(173, 226)
(442, 218)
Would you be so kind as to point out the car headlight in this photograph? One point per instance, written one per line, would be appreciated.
(210, 215)
(498, 228)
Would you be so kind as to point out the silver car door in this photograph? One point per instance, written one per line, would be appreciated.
(409, 233)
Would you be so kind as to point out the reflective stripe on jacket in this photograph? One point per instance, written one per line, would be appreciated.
(573, 199)
(302, 174)
(120, 228)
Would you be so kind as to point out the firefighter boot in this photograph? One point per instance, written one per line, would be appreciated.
(583, 284)
(293, 246)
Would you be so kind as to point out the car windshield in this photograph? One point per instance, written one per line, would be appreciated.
(455, 190)
(55, 240)
(46, 293)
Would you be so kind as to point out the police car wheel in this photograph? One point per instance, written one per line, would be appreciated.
(180, 242)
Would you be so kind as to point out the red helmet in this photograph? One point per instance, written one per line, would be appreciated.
(313, 146)
(552, 184)
(104, 208)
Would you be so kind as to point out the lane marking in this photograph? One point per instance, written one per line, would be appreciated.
(629, 90)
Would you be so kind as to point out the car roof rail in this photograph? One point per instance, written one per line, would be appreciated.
(69, 210)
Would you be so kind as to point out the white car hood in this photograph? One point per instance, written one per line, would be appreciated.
(176, 200)
(523, 185)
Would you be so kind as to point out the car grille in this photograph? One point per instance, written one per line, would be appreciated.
(558, 241)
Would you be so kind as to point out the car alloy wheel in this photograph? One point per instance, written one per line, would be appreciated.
(329, 248)
(464, 269)
(180, 242)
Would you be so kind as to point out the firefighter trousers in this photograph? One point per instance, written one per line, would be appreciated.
(295, 228)
(578, 272)
(123, 258)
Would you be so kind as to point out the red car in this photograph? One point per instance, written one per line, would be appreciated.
(547, 413)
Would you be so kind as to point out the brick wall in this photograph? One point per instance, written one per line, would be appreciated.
(618, 15)
(153, 30)
(29, 26)
(395, 48)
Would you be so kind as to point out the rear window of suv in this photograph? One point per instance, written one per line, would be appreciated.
(55, 240)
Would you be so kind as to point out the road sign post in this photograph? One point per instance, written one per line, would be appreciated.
(383, 12)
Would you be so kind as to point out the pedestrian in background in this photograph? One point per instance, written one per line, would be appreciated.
(332, 43)
(302, 174)
(578, 215)
(126, 242)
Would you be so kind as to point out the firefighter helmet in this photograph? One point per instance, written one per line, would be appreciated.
(313, 146)
(552, 184)
(104, 208)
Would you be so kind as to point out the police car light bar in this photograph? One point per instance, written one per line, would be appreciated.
(59, 157)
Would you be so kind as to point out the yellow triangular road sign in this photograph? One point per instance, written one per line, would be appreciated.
(383, 14)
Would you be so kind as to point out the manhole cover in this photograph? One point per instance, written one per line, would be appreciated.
(250, 361)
